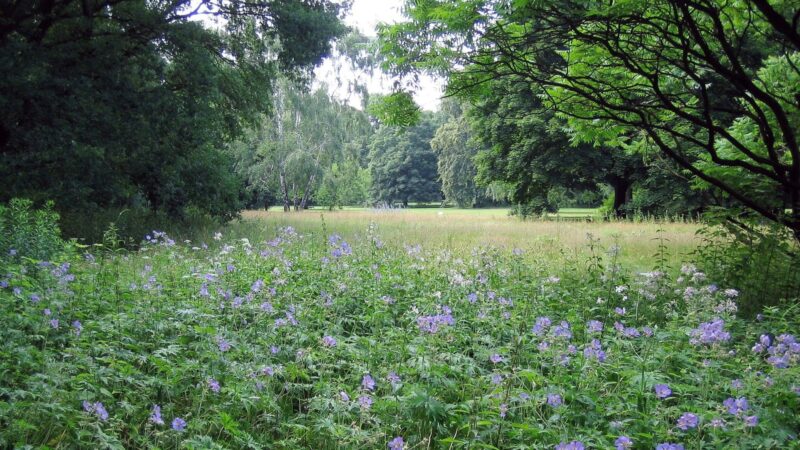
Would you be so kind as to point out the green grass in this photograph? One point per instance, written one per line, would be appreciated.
(461, 230)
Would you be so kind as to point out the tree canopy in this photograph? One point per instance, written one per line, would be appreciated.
(119, 102)
(711, 85)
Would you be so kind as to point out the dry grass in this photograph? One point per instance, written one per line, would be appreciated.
(462, 230)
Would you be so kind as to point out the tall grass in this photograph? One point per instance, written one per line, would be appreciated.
(461, 230)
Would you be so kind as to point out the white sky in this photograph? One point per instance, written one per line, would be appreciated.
(365, 15)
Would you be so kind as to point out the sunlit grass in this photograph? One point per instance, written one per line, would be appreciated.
(461, 230)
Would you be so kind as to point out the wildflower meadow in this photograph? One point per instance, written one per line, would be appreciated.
(314, 341)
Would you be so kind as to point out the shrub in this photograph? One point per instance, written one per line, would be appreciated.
(26, 232)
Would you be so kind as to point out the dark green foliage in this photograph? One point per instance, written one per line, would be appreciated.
(26, 232)
(128, 103)
(403, 166)
(529, 150)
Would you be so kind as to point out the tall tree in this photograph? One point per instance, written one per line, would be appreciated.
(712, 85)
(113, 102)
(455, 150)
(308, 134)
(403, 166)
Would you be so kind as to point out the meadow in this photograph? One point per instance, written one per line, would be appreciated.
(408, 330)
(560, 240)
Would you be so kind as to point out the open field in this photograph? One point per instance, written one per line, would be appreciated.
(461, 230)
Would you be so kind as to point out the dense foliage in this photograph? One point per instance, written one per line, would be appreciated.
(403, 165)
(710, 85)
(314, 342)
(128, 102)
(310, 146)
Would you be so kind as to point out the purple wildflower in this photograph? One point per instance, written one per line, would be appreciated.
(687, 421)
(736, 406)
(496, 359)
(78, 327)
(709, 333)
(96, 408)
(751, 421)
(213, 385)
(393, 378)
(541, 326)
(623, 443)
(573, 445)
(669, 446)
(397, 443)
(223, 345)
(594, 326)
(662, 390)
(562, 330)
(54, 323)
(365, 401)
(155, 417)
(554, 400)
(503, 410)
(329, 341)
(595, 350)
(368, 383)
(178, 424)
(497, 378)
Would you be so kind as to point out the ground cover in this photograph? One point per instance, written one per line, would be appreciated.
(305, 339)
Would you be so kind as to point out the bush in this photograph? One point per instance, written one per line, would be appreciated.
(762, 261)
(26, 232)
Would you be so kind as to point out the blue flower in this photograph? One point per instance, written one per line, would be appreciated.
(155, 417)
(669, 446)
(573, 445)
(368, 383)
(178, 424)
(365, 401)
(687, 421)
(736, 406)
(662, 390)
(396, 443)
(623, 443)
(554, 400)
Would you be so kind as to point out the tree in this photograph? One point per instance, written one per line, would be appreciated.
(403, 166)
(528, 148)
(455, 149)
(711, 85)
(307, 136)
(110, 103)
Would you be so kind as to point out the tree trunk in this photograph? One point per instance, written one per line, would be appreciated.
(284, 191)
(622, 194)
(307, 191)
(294, 197)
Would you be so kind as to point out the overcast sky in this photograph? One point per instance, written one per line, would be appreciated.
(365, 15)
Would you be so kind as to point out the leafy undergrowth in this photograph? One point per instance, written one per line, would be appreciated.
(313, 342)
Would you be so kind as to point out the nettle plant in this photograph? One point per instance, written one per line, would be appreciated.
(310, 341)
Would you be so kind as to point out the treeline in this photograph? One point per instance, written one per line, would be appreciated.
(313, 150)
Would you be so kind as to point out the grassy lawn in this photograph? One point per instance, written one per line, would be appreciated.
(461, 230)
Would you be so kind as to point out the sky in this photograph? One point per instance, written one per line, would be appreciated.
(365, 15)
